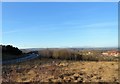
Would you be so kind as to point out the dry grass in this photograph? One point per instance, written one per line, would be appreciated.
(55, 70)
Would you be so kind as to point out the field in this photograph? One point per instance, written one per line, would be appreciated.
(56, 70)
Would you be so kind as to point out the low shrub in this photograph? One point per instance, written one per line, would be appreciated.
(68, 54)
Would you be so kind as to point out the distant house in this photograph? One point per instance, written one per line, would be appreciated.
(105, 53)
(89, 53)
(111, 53)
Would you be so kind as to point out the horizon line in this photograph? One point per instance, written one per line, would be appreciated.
(66, 47)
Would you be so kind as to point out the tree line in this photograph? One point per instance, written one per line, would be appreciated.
(9, 49)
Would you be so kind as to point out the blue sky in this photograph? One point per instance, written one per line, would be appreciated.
(36, 25)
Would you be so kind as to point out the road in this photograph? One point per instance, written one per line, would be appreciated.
(28, 57)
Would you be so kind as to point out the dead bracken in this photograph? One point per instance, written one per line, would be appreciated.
(60, 71)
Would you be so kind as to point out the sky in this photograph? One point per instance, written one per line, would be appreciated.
(50, 25)
(60, 0)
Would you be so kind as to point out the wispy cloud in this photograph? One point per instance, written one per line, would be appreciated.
(25, 30)
(94, 25)
(11, 31)
(103, 24)
(69, 26)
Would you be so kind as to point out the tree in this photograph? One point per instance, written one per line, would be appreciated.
(11, 50)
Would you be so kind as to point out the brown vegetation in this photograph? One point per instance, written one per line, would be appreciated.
(55, 70)
(69, 54)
